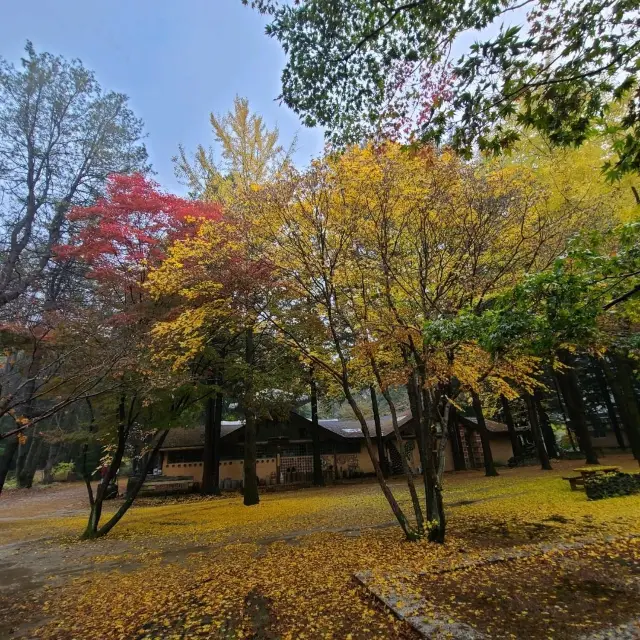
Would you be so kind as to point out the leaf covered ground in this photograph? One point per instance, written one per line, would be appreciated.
(212, 568)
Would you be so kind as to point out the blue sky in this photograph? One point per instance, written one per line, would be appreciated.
(178, 60)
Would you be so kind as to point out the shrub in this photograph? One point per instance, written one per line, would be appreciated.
(63, 469)
(610, 485)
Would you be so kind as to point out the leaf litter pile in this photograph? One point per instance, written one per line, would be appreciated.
(196, 568)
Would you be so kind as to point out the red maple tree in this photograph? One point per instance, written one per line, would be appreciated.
(127, 231)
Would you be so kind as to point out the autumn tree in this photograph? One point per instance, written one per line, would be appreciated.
(247, 154)
(311, 236)
(376, 245)
(219, 299)
(119, 239)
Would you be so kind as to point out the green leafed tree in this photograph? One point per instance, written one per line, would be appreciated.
(555, 66)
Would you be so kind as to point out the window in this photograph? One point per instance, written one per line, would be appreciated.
(298, 449)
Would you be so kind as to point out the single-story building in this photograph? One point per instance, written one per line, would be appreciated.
(465, 445)
(285, 449)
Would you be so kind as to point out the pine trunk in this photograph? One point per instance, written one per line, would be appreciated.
(568, 382)
(516, 447)
(536, 432)
(31, 464)
(23, 450)
(546, 429)
(601, 379)
(621, 381)
(489, 467)
(51, 462)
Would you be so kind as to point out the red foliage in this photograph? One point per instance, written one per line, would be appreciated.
(126, 232)
(414, 92)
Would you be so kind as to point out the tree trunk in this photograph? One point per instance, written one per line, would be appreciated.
(554, 377)
(10, 447)
(544, 422)
(433, 488)
(601, 380)
(516, 447)
(420, 413)
(96, 502)
(23, 450)
(409, 532)
(208, 486)
(251, 496)
(416, 413)
(489, 467)
(457, 450)
(621, 381)
(31, 464)
(406, 466)
(318, 477)
(51, 462)
(132, 494)
(217, 435)
(543, 456)
(382, 457)
(568, 383)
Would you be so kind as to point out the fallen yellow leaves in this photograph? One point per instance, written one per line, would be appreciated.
(284, 569)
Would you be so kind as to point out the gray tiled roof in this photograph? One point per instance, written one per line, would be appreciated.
(179, 438)
(352, 429)
(493, 426)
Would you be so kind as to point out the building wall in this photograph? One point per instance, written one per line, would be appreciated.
(448, 457)
(346, 464)
(501, 449)
(229, 470)
(608, 441)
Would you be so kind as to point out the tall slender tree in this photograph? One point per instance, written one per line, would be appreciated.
(382, 456)
(61, 135)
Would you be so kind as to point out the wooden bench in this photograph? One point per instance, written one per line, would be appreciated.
(165, 486)
(575, 482)
(587, 472)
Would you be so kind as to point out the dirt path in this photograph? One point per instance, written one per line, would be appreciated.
(45, 501)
